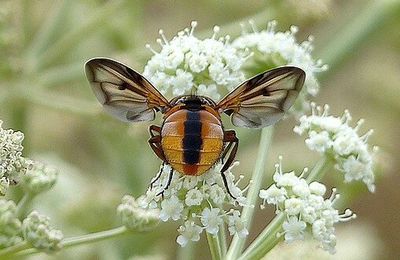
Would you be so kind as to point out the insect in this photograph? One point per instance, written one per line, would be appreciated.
(192, 138)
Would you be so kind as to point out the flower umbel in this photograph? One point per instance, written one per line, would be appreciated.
(187, 65)
(38, 232)
(272, 49)
(40, 178)
(334, 136)
(10, 226)
(305, 208)
(135, 217)
(12, 164)
(197, 202)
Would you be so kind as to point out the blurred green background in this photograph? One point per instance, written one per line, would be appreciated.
(44, 93)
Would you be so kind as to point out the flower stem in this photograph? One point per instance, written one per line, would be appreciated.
(69, 40)
(269, 236)
(186, 252)
(237, 244)
(356, 32)
(215, 246)
(9, 251)
(222, 239)
(320, 169)
(80, 240)
(23, 203)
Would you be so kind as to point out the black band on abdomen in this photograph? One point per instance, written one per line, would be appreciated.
(192, 140)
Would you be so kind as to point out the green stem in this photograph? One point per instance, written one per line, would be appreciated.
(23, 204)
(61, 74)
(222, 239)
(215, 246)
(94, 237)
(269, 236)
(237, 244)
(26, 20)
(356, 32)
(186, 252)
(319, 170)
(12, 250)
(50, 29)
(69, 40)
(84, 239)
(266, 240)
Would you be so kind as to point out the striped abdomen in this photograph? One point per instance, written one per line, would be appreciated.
(192, 140)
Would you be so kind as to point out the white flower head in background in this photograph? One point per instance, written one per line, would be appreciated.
(12, 163)
(40, 178)
(272, 49)
(305, 208)
(198, 203)
(187, 65)
(336, 138)
(10, 225)
(38, 232)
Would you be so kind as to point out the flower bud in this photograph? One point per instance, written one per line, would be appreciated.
(10, 226)
(38, 232)
(39, 179)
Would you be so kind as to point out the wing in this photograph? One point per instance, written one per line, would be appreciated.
(264, 99)
(123, 92)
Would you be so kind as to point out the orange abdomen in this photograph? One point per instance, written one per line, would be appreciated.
(192, 140)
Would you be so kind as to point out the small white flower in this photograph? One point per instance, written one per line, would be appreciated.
(236, 225)
(293, 206)
(210, 91)
(171, 208)
(193, 197)
(189, 182)
(287, 179)
(294, 229)
(189, 232)
(211, 220)
(301, 188)
(182, 82)
(319, 142)
(273, 195)
(354, 169)
(317, 188)
(217, 194)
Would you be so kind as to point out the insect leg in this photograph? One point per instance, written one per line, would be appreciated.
(231, 148)
(154, 130)
(155, 144)
(171, 173)
(157, 177)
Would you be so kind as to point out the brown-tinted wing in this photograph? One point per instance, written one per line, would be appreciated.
(123, 92)
(264, 99)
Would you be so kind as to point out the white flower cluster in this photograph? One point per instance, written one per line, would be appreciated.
(187, 65)
(271, 49)
(10, 226)
(333, 136)
(135, 217)
(38, 232)
(40, 178)
(12, 164)
(304, 207)
(199, 202)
